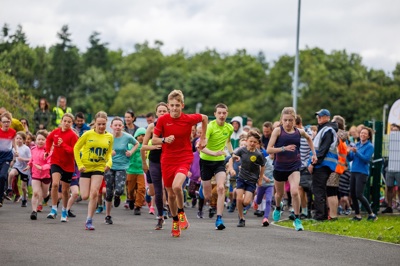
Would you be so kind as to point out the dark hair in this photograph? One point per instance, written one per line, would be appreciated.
(299, 120)
(267, 124)
(79, 115)
(220, 105)
(117, 118)
(33, 137)
(161, 104)
(46, 104)
(42, 132)
(27, 122)
(132, 114)
(255, 134)
(370, 131)
(150, 114)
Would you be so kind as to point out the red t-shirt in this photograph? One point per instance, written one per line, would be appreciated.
(180, 150)
(6, 140)
(63, 155)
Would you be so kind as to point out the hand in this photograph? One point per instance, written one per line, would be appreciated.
(310, 168)
(290, 147)
(128, 153)
(189, 174)
(202, 143)
(169, 139)
(145, 167)
(314, 159)
(232, 172)
(266, 179)
(106, 169)
(60, 141)
(45, 155)
(16, 154)
(82, 169)
(26, 168)
(37, 166)
(113, 153)
(219, 153)
(156, 147)
(235, 158)
(259, 182)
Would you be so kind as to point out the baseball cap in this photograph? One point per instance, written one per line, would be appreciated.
(323, 112)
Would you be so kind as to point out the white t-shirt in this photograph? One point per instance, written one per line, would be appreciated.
(24, 152)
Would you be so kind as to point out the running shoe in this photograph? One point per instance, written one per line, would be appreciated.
(131, 204)
(159, 225)
(52, 214)
(151, 211)
(34, 215)
(242, 223)
(183, 222)
(46, 199)
(303, 216)
(8, 194)
(212, 212)
(357, 219)
(117, 201)
(219, 224)
(388, 210)
(24, 203)
(292, 216)
(232, 207)
(176, 230)
(165, 213)
(136, 211)
(89, 225)
(126, 205)
(297, 225)
(108, 220)
(265, 222)
(347, 212)
(99, 209)
(276, 215)
(70, 214)
(64, 216)
(39, 208)
(200, 214)
(372, 218)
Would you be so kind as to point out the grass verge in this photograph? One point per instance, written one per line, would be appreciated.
(386, 228)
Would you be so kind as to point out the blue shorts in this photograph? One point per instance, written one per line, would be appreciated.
(246, 185)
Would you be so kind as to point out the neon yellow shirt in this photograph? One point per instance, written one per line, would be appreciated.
(217, 137)
(96, 151)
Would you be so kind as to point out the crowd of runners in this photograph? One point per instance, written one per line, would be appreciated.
(184, 160)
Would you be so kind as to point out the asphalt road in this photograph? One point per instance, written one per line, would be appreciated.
(132, 240)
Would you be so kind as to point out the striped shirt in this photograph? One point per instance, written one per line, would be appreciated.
(305, 150)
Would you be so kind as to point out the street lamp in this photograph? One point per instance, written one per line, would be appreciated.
(296, 61)
(385, 107)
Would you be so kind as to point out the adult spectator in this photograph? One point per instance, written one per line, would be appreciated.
(393, 172)
(249, 122)
(60, 110)
(25, 124)
(42, 116)
(266, 133)
(79, 124)
(325, 143)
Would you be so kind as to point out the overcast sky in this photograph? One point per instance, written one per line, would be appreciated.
(370, 28)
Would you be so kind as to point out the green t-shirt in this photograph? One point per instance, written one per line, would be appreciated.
(135, 162)
(217, 137)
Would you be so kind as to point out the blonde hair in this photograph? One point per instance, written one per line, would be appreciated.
(68, 115)
(176, 95)
(100, 114)
(42, 132)
(288, 111)
(7, 115)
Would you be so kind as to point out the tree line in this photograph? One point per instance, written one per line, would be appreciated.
(114, 81)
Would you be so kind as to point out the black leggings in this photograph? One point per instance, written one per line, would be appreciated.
(357, 185)
(156, 177)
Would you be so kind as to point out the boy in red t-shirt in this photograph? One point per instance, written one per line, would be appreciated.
(173, 131)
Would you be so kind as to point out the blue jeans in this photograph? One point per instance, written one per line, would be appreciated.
(267, 191)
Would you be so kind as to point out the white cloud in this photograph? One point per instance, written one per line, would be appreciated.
(369, 28)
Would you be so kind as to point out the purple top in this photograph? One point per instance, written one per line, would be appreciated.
(288, 160)
(195, 168)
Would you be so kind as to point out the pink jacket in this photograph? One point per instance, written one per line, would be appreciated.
(38, 158)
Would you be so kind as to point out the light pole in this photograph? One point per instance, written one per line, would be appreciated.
(296, 61)
(385, 107)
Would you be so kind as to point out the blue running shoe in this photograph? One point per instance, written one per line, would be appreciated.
(276, 215)
(99, 209)
(89, 225)
(64, 216)
(52, 214)
(297, 225)
(219, 224)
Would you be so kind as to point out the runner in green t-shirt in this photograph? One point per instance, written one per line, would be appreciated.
(212, 158)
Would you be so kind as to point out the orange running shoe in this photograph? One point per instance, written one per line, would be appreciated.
(39, 208)
(183, 222)
(176, 231)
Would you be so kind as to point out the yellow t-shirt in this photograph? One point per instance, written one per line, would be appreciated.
(96, 151)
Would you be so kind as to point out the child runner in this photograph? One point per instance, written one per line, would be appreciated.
(251, 172)
(135, 179)
(96, 147)
(173, 131)
(153, 170)
(22, 157)
(7, 144)
(266, 188)
(40, 169)
(285, 144)
(212, 158)
(116, 177)
(62, 140)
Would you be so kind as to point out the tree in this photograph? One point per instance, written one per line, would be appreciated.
(97, 54)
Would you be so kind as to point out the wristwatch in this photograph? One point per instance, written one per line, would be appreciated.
(163, 140)
(283, 148)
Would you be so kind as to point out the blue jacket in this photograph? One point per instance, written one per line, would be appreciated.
(361, 157)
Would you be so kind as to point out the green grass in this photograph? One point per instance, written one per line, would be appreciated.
(386, 228)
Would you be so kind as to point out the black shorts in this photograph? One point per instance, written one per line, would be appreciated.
(209, 168)
(283, 176)
(305, 179)
(89, 174)
(148, 177)
(65, 176)
(24, 178)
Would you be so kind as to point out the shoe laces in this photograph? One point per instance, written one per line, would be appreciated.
(181, 217)
(175, 225)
